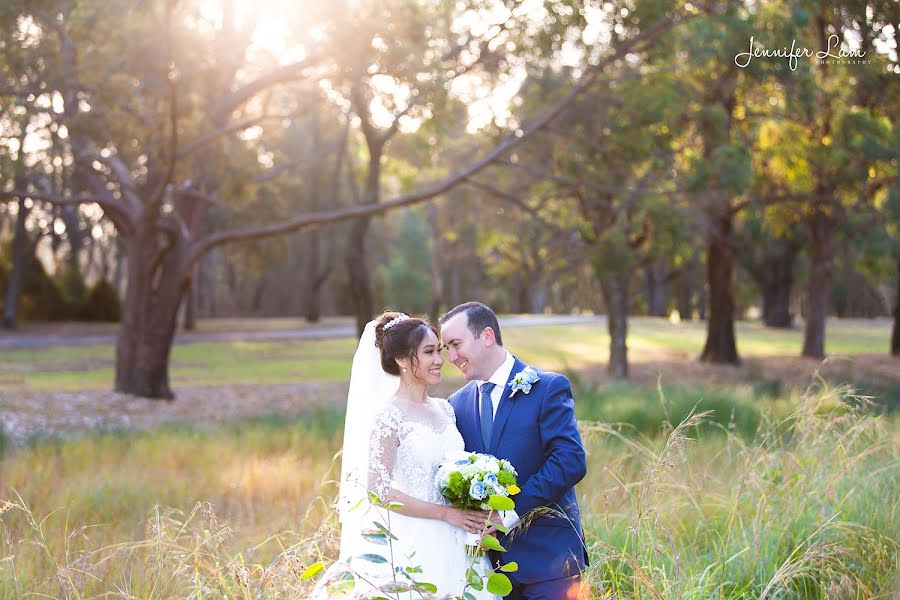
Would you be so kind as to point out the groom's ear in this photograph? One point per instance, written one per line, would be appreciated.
(490, 338)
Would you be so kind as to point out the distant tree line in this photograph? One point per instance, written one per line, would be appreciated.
(636, 170)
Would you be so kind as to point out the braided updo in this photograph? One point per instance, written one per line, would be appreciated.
(400, 340)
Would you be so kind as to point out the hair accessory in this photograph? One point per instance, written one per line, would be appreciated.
(395, 320)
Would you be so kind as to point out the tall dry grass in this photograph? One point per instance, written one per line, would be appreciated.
(805, 507)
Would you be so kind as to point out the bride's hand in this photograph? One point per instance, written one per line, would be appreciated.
(470, 520)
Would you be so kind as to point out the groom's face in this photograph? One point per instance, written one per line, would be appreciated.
(464, 349)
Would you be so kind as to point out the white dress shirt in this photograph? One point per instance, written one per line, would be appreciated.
(499, 378)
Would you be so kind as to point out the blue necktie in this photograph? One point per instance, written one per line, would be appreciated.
(487, 414)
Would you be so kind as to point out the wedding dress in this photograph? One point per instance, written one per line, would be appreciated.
(407, 441)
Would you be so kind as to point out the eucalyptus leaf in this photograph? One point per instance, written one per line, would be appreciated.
(499, 584)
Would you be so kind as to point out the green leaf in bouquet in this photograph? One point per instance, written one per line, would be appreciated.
(373, 558)
(506, 478)
(394, 505)
(376, 537)
(469, 596)
(395, 587)
(340, 584)
(413, 569)
(385, 530)
(510, 567)
(422, 586)
(374, 499)
(311, 570)
(474, 579)
(501, 527)
(499, 502)
(489, 542)
(499, 584)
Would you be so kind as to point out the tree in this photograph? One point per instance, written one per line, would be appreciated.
(770, 240)
(829, 149)
(140, 170)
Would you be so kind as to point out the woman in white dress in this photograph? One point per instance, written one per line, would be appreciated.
(395, 437)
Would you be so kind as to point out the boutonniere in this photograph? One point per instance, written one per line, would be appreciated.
(523, 380)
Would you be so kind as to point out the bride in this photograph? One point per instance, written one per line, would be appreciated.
(395, 436)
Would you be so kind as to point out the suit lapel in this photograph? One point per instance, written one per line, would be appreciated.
(504, 408)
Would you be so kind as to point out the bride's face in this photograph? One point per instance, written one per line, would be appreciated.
(428, 363)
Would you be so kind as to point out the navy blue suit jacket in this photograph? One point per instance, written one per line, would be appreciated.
(538, 434)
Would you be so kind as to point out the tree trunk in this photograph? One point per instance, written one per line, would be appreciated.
(821, 229)
(776, 285)
(149, 316)
(655, 282)
(312, 309)
(312, 305)
(701, 302)
(74, 235)
(684, 293)
(523, 294)
(720, 347)
(538, 297)
(615, 296)
(437, 282)
(895, 335)
(358, 272)
(19, 259)
(190, 303)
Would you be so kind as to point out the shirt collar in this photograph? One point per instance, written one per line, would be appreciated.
(501, 375)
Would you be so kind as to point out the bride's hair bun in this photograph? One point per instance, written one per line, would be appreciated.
(401, 339)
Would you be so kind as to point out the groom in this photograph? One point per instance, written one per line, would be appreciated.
(534, 429)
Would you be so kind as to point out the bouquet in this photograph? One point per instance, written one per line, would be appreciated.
(469, 479)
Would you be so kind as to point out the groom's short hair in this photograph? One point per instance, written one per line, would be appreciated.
(480, 316)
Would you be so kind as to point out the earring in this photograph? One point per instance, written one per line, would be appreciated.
(404, 369)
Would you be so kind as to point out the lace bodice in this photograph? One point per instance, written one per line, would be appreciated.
(409, 440)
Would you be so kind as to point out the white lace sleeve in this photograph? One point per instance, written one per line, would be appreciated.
(383, 450)
(448, 410)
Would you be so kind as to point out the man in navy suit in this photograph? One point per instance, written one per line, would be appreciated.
(527, 416)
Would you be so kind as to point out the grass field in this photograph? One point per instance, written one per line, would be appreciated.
(567, 347)
(802, 505)
(779, 492)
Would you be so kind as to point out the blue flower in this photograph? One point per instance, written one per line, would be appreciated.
(462, 461)
(477, 490)
(490, 479)
(523, 381)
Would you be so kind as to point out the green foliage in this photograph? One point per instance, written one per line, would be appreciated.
(41, 298)
(405, 279)
(71, 285)
(61, 297)
(639, 410)
(101, 303)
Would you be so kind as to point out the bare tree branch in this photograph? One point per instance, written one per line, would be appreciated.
(429, 192)
(158, 193)
(284, 74)
(108, 203)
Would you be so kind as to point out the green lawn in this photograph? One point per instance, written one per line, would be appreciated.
(553, 347)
